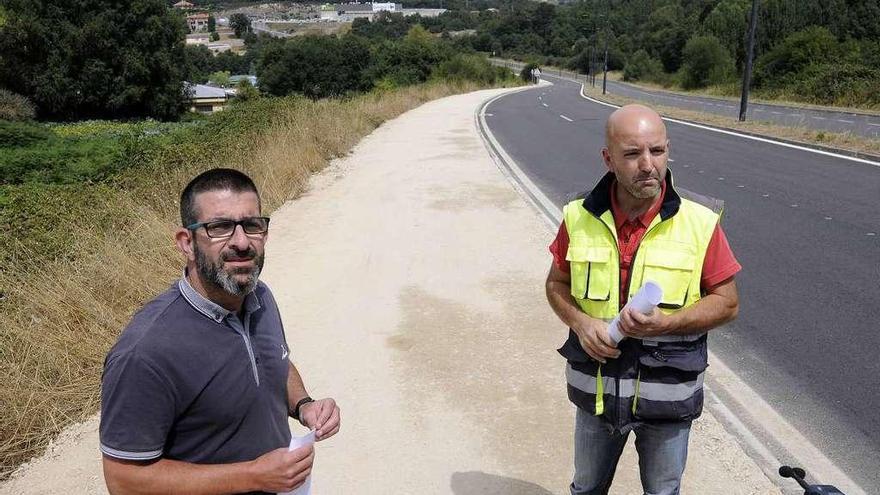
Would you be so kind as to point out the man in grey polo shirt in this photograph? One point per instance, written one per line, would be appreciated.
(197, 391)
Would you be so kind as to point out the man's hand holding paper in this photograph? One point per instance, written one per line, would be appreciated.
(635, 324)
(593, 337)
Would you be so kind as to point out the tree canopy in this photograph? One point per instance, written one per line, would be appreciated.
(92, 59)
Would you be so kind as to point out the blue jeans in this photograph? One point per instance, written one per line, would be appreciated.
(662, 449)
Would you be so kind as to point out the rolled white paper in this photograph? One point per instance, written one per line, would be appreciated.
(644, 301)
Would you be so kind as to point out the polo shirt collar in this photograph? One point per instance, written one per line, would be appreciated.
(598, 201)
(208, 307)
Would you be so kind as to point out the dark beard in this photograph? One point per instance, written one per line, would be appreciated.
(224, 280)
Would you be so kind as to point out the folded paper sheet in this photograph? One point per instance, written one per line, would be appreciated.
(295, 443)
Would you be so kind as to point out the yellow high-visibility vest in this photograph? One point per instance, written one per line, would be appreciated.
(659, 378)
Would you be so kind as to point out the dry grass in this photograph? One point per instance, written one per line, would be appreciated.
(60, 317)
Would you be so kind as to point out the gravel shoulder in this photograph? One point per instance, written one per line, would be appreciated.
(410, 280)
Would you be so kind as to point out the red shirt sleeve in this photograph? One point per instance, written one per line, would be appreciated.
(719, 264)
(559, 248)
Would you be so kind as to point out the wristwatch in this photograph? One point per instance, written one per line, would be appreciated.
(302, 402)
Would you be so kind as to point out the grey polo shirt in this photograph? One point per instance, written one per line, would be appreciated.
(189, 380)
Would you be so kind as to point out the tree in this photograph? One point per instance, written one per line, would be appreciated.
(214, 36)
(667, 32)
(728, 22)
(410, 60)
(219, 78)
(781, 65)
(199, 63)
(705, 62)
(212, 24)
(315, 66)
(641, 67)
(239, 23)
(94, 58)
(245, 91)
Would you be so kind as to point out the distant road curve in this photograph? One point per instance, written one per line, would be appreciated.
(860, 124)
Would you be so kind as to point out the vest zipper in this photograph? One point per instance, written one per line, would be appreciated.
(616, 419)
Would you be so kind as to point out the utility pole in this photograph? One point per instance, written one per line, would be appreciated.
(605, 73)
(747, 72)
(590, 63)
(605, 68)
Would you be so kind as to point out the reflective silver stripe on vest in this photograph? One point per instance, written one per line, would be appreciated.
(587, 383)
(673, 338)
(668, 392)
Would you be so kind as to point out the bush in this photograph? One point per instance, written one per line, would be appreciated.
(410, 60)
(641, 67)
(470, 68)
(60, 161)
(15, 107)
(845, 85)
(782, 65)
(15, 134)
(705, 62)
(315, 66)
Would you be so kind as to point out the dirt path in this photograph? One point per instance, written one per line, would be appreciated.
(410, 279)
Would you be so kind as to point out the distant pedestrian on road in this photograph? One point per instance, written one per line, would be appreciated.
(633, 227)
(197, 391)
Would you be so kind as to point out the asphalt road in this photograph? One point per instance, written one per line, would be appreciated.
(860, 124)
(804, 228)
(856, 123)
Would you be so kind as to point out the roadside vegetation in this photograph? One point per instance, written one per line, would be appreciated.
(824, 52)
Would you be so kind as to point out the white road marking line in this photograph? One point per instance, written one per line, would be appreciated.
(875, 125)
(765, 195)
(545, 105)
(776, 113)
(817, 118)
(671, 161)
(796, 114)
(827, 218)
(794, 206)
(746, 136)
(721, 178)
(740, 186)
(759, 109)
(566, 118)
(847, 121)
(871, 233)
(489, 114)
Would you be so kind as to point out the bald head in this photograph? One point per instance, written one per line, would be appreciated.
(636, 151)
(630, 120)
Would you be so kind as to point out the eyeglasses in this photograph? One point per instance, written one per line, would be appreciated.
(225, 228)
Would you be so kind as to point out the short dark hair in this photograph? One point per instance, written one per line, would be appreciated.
(216, 179)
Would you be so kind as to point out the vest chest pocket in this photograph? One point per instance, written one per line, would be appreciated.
(590, 272)
(673, 270)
